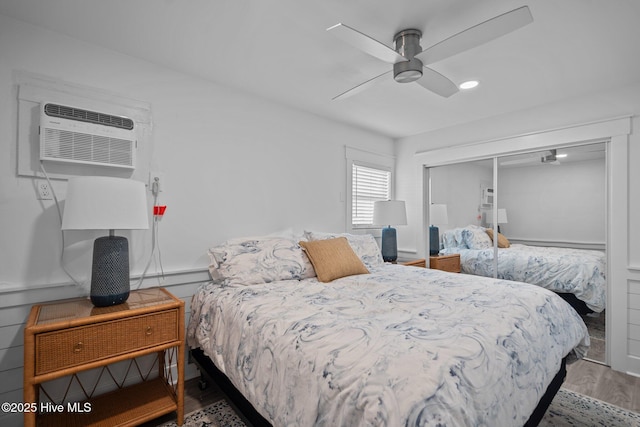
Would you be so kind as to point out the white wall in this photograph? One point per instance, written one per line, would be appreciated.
(564, 203)
(527, 128)
(233, 165)
(458, 186)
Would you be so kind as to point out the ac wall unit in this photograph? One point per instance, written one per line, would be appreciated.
(487, 197)
(75, 135)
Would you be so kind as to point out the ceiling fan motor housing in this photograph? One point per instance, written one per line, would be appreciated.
(407, 44)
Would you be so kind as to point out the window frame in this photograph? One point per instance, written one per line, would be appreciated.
(370, 160)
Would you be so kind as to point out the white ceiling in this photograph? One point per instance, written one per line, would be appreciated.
(279, 49)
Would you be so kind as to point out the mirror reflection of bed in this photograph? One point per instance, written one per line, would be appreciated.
(549, 206)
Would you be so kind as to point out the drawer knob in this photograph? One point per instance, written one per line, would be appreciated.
(148, 331)
(78, 347)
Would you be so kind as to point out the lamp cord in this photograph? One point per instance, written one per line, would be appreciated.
(154, 235)
(55, 198)
(154, 241)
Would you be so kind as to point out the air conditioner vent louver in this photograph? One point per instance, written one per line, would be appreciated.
(55, 110)
(86, 148)
(76, 135)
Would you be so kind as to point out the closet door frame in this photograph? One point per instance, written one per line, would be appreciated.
(619, 273)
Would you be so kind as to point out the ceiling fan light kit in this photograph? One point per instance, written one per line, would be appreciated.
(410, 61)
(407, 44)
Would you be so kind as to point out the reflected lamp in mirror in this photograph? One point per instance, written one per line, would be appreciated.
(502, 218)
(106, 203)
(437, 215)
(389, 212)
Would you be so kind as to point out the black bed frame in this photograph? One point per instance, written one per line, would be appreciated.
(209, 372)
(578, 305)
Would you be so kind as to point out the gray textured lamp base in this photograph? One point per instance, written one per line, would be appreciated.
(110, 271)
(389, 245)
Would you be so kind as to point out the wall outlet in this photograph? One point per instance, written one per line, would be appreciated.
(156, 182)
(44, 191)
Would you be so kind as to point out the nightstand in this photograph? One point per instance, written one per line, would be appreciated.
(64, 338)
(449, 263)
(416, 263)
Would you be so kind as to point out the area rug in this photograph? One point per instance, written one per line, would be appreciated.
(218, 414)
(567, 409)
(574, 409)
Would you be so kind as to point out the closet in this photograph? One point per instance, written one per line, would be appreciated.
(553, 198)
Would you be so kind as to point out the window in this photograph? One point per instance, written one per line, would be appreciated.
(369, 178)
(368, 185)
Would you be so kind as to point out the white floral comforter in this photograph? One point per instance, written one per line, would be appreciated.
(576, 271)
(400, 346)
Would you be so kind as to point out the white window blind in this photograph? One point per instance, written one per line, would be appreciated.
(368, 185)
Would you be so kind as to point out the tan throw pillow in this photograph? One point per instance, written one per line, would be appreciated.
(333, 258)
(503, 242)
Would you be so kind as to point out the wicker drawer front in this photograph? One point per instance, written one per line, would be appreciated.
(451, 264)
(85, 344)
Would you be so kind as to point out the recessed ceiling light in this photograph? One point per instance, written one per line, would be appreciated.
(468, 84)
(561, 156)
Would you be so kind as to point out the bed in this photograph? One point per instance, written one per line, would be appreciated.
(577, 275)
(394, 346)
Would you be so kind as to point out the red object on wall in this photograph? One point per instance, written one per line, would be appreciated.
(159, 210)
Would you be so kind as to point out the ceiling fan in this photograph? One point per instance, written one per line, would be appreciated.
(551, 159)
(409, 60)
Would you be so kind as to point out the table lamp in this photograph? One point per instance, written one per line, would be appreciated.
(106, 203)
(389, 212)
(437, 215)
(502, 218)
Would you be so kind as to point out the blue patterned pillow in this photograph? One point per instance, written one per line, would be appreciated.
(259, 260)
(452, 239)
(476, 237)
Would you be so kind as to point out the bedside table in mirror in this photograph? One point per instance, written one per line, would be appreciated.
(450, 263)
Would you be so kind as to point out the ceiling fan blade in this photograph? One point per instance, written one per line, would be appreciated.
(437, 83)
(366, 44)
(477, 35)
(359, 88)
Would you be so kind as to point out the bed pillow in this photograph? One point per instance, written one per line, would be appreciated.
(476, 238)
(259, 260)
(333, 258)
(364, 245)
(452, 239)
(503, 242)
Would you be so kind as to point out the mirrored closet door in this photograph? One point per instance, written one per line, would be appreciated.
(555, 202)
(547, 209)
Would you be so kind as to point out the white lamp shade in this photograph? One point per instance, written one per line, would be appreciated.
(105, 203)
(502, 216)
(438, 214)
(389, 212)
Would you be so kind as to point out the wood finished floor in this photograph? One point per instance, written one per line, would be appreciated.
(603, 383)
(194, 399)
(585, 377)
(596, 325)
